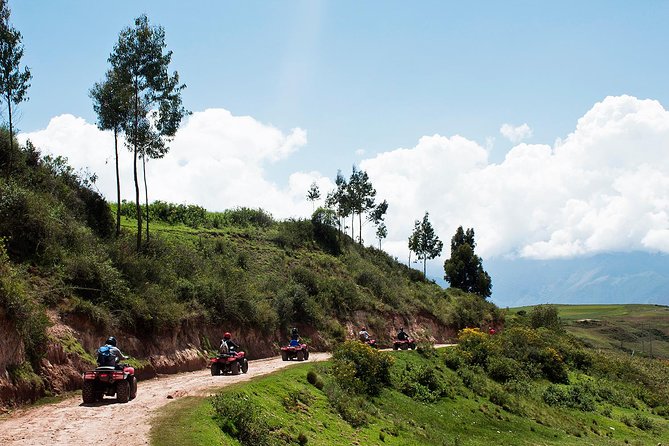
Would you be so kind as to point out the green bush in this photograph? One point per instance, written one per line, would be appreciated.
(240, 416)
(420, 382)
(545, 316)
(577, 396)
(359, 368)
(352, 408)
(503, 369)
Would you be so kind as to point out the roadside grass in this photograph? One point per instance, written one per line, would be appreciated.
(299, 413)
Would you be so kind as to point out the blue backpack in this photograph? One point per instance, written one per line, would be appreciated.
(105, 356)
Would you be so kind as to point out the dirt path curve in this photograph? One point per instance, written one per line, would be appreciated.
(70, 423)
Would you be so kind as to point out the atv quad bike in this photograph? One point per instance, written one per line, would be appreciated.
(299, 352)
(109, 381)
(231, 363)
(404, 344)
(371, 342)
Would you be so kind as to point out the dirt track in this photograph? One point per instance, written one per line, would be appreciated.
(70, 423)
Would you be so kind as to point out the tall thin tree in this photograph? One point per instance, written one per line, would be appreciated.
(14, 81)
(112, 101)
(140, 57)
(424, 241)
(313, 194)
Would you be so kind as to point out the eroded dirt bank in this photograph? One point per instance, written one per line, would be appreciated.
(72, 423)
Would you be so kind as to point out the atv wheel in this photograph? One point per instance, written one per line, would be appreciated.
(88, 392)
(234, 368)
(133, 387)
(215, 370)
(300, 355)
(412, 346)
(405, 346)
(99, 395)
(284, 355)
(395, 347)
(123, 391)
(245, 365)
(306, 355)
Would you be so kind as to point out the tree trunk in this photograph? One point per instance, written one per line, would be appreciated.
(118, 187)
(146, 197)
(424, 263)
(353, 226)
(137, 206)
(11, 137)
(360, 227)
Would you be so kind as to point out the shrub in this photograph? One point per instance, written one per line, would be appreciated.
(578, 396)
(359, 368)
(420, 383)
(353, 409)
(503, 369)
(240, 416)
(545, 316)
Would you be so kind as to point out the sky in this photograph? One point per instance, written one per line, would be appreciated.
(542, 125)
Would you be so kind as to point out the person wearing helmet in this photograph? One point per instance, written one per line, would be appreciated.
(363, 335)
(109, 355)
(228, 346)
(294, 337)
(401, 335)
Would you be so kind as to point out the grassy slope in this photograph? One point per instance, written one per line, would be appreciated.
(462, 418)
(630, 328)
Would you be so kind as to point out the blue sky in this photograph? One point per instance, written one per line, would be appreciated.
(367, 75)
(540, 124)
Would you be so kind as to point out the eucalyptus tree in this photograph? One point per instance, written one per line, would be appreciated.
(424, 241)
(313, 194)
(14, 81)
(112, 102)
(377, 216)
(361, 194)
(339, 201)
(142, 62)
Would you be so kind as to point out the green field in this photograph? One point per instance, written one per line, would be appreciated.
(632, 328)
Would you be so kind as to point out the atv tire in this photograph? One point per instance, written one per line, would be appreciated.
(284, 355)
(395, 346)
(234, 368)
(123, 391)
(133, 387)
(245, 365)
(300, 355)
(215, 370)
(88, 392)
(405, 346)
(306, 355)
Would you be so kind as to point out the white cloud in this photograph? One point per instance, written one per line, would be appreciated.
(516, 134)
(602, 188)
(216, 160)
(605, 187)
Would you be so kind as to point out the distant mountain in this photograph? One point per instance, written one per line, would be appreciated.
(607, 278)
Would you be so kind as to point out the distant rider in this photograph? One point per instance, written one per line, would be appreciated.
(228, 346)
(109, 355)
(363, 335)
(294, 337)
(401, 335)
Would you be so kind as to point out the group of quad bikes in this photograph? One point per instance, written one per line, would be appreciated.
(120, 380)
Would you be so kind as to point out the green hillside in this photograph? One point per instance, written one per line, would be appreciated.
(68, 281)
(631, 328)
(488, 390)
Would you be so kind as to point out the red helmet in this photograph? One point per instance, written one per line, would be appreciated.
(227, 335)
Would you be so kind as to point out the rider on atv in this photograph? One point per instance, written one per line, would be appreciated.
(363, 335)
(109, 355)
(228, 346)
(401, 335)
(294, 337)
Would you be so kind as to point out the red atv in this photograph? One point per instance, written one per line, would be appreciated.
(232, 363)
(371, 342)
(299, 352)
(404, 344)
(109, 381)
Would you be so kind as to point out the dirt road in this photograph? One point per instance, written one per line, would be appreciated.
(70, 423)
